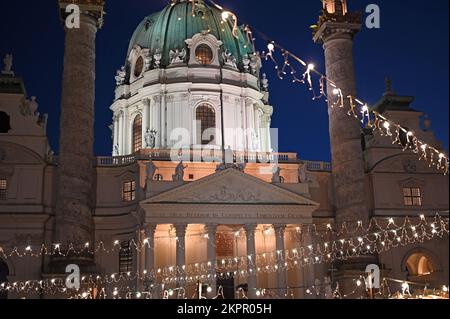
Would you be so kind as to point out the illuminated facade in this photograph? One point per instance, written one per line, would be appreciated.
(188, 76)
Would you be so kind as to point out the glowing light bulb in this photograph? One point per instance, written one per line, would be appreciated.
(84, 295)
(410, 134)
(386, 125)
(258, 293)
(209, 290)
(358, 283)
(422, 217)
(138, 295)
(116, 242)
(441, 155)
(365, 108)
(391, 220)
(311, 67)
(271, 47)
(424, 147)
(336, 91)
(444, 288)
(28, 248)
(225, 15)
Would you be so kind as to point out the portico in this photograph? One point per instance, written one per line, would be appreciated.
(195, 232)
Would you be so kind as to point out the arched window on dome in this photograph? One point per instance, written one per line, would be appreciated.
(137, 134)
(206, 124)
(204, 54)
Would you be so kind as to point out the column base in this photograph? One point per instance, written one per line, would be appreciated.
(349, 272)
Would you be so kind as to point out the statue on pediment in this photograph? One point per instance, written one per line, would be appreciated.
(179, 172)
(8, 62)
(276, 177)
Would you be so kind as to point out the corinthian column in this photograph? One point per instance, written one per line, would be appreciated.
(74, 203)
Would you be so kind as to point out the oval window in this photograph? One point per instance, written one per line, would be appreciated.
(204, 54)
(138, 67)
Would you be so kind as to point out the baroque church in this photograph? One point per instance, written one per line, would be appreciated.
(194, 193)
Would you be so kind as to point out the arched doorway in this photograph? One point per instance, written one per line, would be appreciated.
(422, 266)
(4, 272)
(419, 265)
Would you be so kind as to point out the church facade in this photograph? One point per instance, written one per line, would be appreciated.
(194, 191)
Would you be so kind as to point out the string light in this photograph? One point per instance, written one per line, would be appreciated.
(268, 262)
(369, 117)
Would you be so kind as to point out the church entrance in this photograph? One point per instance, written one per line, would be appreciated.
(228, 287)
(226, 248)
(4, 272)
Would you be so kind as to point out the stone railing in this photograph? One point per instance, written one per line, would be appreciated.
(207, 156)
(198, 156)
(116, 161)
(318, 166)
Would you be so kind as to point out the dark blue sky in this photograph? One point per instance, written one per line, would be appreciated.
(412, 47)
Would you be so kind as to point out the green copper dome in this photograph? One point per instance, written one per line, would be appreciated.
(167, 30)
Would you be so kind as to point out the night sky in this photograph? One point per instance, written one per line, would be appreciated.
(411, 48)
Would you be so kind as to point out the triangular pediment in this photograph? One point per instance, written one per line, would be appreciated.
(230, 186)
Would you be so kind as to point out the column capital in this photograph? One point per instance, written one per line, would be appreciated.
(93, 9)
(211, 228)
(279, 226)
(150, 229)
(250, 227)
(279, 229)
(180, 229)
(146, 101)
